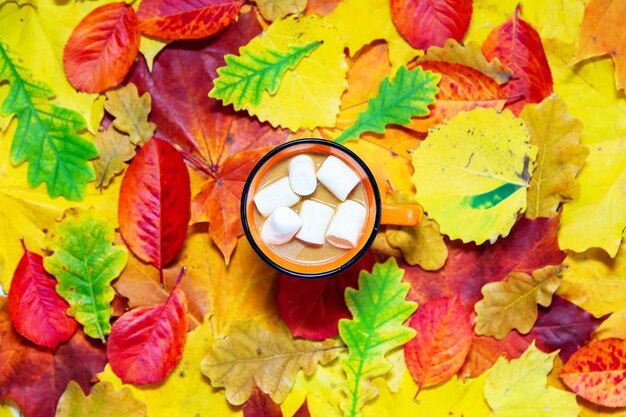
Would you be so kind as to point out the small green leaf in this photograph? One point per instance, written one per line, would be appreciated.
(408, 95)
(85, 262)
(46, 134)
(245, 78)
(378, 310)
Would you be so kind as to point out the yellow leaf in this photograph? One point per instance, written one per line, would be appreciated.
(597, 218)
(103, 401)
(557, 135)
(470, 55)
(31, 212)
(472, 172)
(512, 304)
(250, 355)
(518, 388)
(275, 9)
(150, 47)
(131, 113)
(360, 23)
(185, 392)
(309, 95)
(454, 398)
(594, 281)
(6, 411)
(114, 150)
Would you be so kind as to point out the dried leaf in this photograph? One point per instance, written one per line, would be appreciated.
(114, 149)
(104, 401)
(379, 310)
(557, 135)
(252, 355)
(130, 112)
(512, 304)
(597, 372)
(275, 9)
(102, 48)
(462, 171)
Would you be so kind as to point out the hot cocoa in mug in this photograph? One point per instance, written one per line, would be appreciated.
(311, 208)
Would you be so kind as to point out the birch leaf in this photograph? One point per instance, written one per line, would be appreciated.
(131, 113)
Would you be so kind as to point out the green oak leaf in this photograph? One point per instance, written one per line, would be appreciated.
(46, 134)
(407, 95)
(85, 261)
(245, 78)
(378, 308)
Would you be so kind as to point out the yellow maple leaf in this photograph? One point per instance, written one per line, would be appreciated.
(556, 134)
(512, 304)
(518, 388)
(103, 401)
(597, 218)
(472, 173)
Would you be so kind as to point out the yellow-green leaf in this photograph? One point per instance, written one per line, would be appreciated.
(472, 173)
(130, 112)
(103, 401)
(114, 149)
(597, 218)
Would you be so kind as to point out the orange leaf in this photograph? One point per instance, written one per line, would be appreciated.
(178, 19)
(597, 372)
(444, 337)
(101, 49)
(601, 34)
(461, 88)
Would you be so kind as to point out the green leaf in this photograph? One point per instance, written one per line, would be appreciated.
(46, 134)
(84, 263)
(378, 310)
(408, 95)
(245, 78)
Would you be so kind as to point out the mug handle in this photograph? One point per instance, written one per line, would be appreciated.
(401, 214)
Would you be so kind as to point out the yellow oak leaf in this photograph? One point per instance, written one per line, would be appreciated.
(470, 55)
(518, 388)
(472, 173)
(597, 218)
(594, 281)
(185, 392)
(512, 304)
(114, 150)
(131, 113)
(275, 9)
(309, 95)
(251, 355)
(557, 135)
(360, 23)
(103, 401)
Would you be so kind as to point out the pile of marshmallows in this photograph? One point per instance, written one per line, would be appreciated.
(317, 222)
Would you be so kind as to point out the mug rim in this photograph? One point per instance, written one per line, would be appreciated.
(263, 161)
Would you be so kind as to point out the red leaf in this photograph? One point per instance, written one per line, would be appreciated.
(518, 46)
(35, 377)
(35, 308)
(597, 372)
(312, 308)
(260, 404)
(101, 49)
(186, 19)
(146, 343)
(461, 88)
(210, 135)
(154, 204)
(303, 411)
(424, 23)
(444, 337)
(563, 326)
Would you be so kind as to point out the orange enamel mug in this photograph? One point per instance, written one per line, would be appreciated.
(377, 213)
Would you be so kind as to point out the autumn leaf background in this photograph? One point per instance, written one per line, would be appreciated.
(128, 130)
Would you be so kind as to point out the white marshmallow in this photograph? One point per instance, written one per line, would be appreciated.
(277, 194)
(281, 226)
(347, 225)
(302, 175)
(315, 218)
(338, 177)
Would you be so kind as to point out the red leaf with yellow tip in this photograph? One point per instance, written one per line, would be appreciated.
(444, 336)
(38, 313)
(102, 48)
(424, 23)
(154, 204)
(518, 46)
(186, 19)
(146, 343)
(597, 372)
